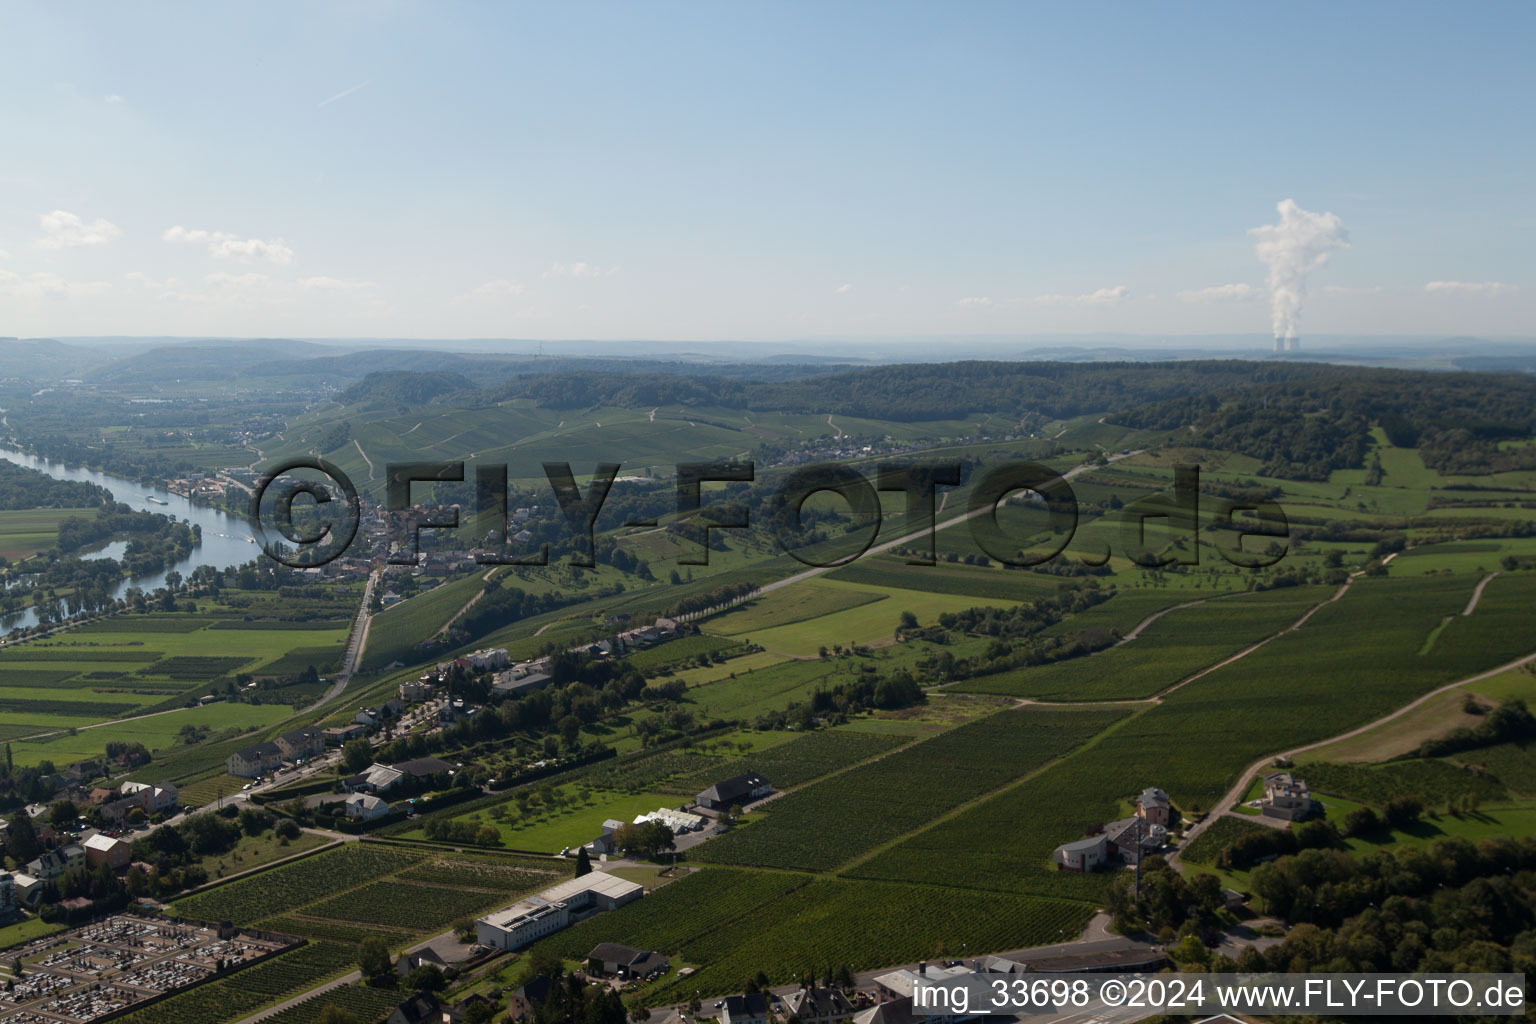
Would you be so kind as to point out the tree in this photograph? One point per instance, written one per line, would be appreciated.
(356, 755)
(487, 835)
(583, 862)
(373, 959)
(287, 829)
(22, 837)
(426, 978)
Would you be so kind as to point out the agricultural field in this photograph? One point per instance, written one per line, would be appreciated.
(790, 604)
(25, 532)
(734, 923)
(361, 889)
(1219, 835)
(1435, 783)
(880, 801)
(870, 622)
(1174, 647)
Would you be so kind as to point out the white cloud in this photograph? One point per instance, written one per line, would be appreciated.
(112, 97)
(243, 282)
(1219, 293)
(579, 269)
(1101, 297)
(844, 289)
(974, 300)
(4, 255)
(65, 230)
(225, 246)
(336, 284)
(1487, 289)
(342, 95)
(40, 286)
(1349, 289)
(498, 289)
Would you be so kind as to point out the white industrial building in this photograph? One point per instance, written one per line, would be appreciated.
(555, 908)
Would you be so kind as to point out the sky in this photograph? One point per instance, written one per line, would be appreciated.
(762, 171)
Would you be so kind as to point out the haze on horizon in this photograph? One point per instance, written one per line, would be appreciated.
(762, 173)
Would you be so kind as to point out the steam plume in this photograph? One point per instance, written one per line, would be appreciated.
(1292, 249)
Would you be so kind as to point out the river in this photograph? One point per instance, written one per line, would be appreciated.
(226, 539)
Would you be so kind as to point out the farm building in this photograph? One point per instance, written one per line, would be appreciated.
(742, 789)
(626, 962)
(379, 778)
(1286, 796)
(553, 909)
(1083, 855)
(678, 821)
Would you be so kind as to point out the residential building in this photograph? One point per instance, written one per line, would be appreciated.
(626, 962)
(336, 735)
(740, 790)
(53, 863)
(7, 897)
(157, 799)
(527, 1000)
(553, 909)
(29, 889)
(1286, 796)
(818, 1006)
(254, 761)
(751, 1008)
(365, 807)
(424, 957)
(1154, 807)
(488, 659)
(104, 849)
(419, 1009)
(416, 690)
(301, 743)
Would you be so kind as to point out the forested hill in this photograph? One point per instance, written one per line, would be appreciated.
(21, 488)
(1302, 419)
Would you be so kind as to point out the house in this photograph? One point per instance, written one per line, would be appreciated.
(424, 957)
(527, 1000)
(740, 790)
(1083, 855)
(336, 735)
(29, 890)
(365, 807)
(553, 909)
(1154, 807)
(626, 962)
(818, 1006)
(751, 1008)
(104, 849)
(378, 778)
(1286, 796)
(101, 795)
(301, 743)
(416, 690)
(605, 843)
(117, 811)
(158, 799)
(368, 716)
(254, 761)
(53, 863)
(419, 1009)
(488, 659)
(1127, 834)
(458, 711)
(7, 897)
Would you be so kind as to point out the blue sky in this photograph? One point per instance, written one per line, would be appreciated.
(697, 171)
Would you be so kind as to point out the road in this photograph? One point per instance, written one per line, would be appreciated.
(357, 640)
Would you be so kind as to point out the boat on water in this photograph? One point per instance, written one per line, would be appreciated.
(157, 501)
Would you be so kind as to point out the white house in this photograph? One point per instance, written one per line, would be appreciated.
(1082, 855)
(366, 807)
